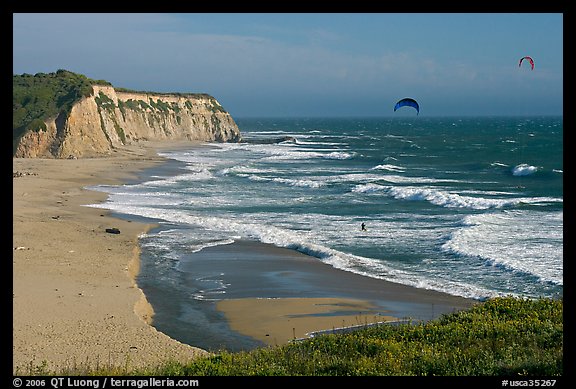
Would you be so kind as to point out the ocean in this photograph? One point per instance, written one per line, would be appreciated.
(469, 206)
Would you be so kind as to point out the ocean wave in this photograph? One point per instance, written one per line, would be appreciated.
(368, 188)
(389, 167)
(447, 199)
(305, 241)
(303, 155)
(288, 181)
(524, 170)
(203, 245)
(198, 175)
(299, 182)
(312, 181)
(380, 270)
(519, 241)
(269, 132)
(415, 180)
(243, 169)
(308, 143)
(339, 155)
(289, 151)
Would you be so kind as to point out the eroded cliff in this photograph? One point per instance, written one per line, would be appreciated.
(110, 118)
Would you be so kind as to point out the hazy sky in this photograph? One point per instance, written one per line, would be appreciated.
(298, 64)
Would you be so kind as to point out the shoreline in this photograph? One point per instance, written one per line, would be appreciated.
(75, 298)
(76, 301)
(300, 295)
(273, 295)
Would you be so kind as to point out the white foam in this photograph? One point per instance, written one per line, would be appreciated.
(245, 170)
(288, 151)
(299, 182)
(368, 188)
(306, 143)
(396, 179)
(284, 155)
(198, 175)
(526, 241)
(524, 170)
(448, 199)
(312, 234)
(389, 167)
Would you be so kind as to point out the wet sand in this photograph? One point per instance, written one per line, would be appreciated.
(276, 294)
(281, 320)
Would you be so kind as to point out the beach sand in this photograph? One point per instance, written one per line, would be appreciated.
(76, 303)
(281, 320)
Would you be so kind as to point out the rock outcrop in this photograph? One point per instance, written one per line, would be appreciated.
(111, 118)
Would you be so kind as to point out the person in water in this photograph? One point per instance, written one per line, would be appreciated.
(363, 227)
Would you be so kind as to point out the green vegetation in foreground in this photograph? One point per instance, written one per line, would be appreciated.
(502, 336)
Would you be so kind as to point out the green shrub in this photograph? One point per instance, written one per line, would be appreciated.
(500, 337)
(43, 96)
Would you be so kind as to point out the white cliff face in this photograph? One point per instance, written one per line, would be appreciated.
(111, 118)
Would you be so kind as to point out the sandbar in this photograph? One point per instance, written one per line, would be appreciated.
(282, 320)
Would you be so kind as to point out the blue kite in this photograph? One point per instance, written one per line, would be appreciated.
(408, 102)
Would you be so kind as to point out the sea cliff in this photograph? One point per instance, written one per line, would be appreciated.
(109, 118)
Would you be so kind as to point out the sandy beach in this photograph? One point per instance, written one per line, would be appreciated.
(76, 302)
(279, 321)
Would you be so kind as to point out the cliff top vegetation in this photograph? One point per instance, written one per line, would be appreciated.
(43, 95)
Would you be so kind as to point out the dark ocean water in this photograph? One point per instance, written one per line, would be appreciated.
(468, 206)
